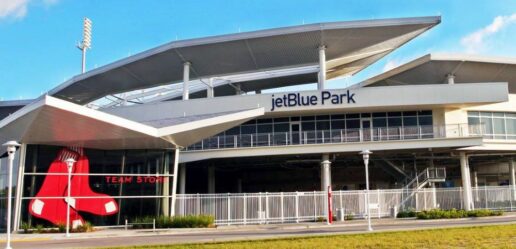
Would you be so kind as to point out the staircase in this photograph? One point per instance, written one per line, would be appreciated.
(429, 175)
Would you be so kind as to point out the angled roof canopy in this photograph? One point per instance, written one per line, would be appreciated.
(434, 68)
(351, 46)
(57, 122)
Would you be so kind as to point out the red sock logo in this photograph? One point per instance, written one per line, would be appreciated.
(54, 210)
(100, 204)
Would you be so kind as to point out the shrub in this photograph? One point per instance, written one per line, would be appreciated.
(406, 214)
(349, 217)
(25, 227)
(188, 221)
(61, 228)
(39, 228)
(454, 213)
(87, 227)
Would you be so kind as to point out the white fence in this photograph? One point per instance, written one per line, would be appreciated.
(259, 208)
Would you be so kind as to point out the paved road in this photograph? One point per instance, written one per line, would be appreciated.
(260, 233)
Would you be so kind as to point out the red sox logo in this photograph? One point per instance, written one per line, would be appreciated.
(56, 185)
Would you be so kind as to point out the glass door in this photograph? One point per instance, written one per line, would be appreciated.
(366, 129)
(295, 132)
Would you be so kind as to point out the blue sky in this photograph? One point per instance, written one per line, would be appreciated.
(38, 37)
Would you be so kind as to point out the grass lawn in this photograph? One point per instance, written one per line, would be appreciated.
(503, 236)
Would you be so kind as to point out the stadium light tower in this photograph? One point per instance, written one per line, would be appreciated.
(86, 41)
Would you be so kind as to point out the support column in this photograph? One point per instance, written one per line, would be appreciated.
(182, 178)
(174, 183)
(210, 92)
(211, 180)
(512, 177)
(322, 68)
(475, 183)
(239, 185)
(450, 78)
(466, 183)
(326, 182)
(186, 80)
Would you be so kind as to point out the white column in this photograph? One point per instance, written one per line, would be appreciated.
(322, 68)
(182, 178)
(512, 176)
(210, 92)
(466, 184)
(239, 185)
(186, 80)
(174, 182)
(450, 78)
(325, 172)
(326, 182)
(211, 180)
(475, 183)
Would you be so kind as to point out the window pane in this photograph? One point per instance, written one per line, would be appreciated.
(379, 122)
(511, 126)
(499, 126)
(487, 122)
(308, 126)
(248, 129)
(353, 115)
(323, 125)
(352, 123)
(337, 124)
(473, 120)
(282, 127)
(379, 114)
(266, 128)
(394, 122)
(409, 121)
(425, 120)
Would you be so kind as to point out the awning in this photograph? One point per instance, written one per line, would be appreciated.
(350, 47)
(52, 121)
(434, 68)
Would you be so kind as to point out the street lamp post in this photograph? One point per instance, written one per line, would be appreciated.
(11, 150)
(69, 164)
(365, 155)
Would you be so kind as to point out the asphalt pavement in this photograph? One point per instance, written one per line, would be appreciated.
(119, 237)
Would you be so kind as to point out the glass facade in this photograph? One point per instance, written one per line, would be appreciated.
(496, 125)
(116, 185)
(323, 128)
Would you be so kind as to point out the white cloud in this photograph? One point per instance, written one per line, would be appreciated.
(476, 41)
(390, 64)
(13, 8)
(18, 8)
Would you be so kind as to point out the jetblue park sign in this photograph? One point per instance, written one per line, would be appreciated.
(288, 100)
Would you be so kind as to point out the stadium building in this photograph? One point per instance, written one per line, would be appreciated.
(216, 121)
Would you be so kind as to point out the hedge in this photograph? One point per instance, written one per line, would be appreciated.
(188, 221)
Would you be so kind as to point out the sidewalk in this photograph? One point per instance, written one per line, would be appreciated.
(120, 232)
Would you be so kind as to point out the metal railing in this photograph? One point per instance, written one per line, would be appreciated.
(260, 208)
(337, 136)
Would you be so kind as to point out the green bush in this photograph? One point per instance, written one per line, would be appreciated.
(406, 214)
(349, 217)
(188, 221)
(25, 227)
(87, 227)
(454, 213)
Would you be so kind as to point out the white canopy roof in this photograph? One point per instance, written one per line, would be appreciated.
(52, 121)
(350, 47)
(434, 68)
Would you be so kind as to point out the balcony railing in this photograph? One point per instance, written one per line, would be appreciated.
(337, 136)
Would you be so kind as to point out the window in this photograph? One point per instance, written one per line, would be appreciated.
(493, 125)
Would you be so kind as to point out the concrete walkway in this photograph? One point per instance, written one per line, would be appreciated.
(121, 237)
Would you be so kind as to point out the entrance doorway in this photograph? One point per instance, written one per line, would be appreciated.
(366, 129)
(295, 132)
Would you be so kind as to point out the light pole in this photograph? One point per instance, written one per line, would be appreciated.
(69, 164)
(11, 150)
(365, 155)
(86, 41)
